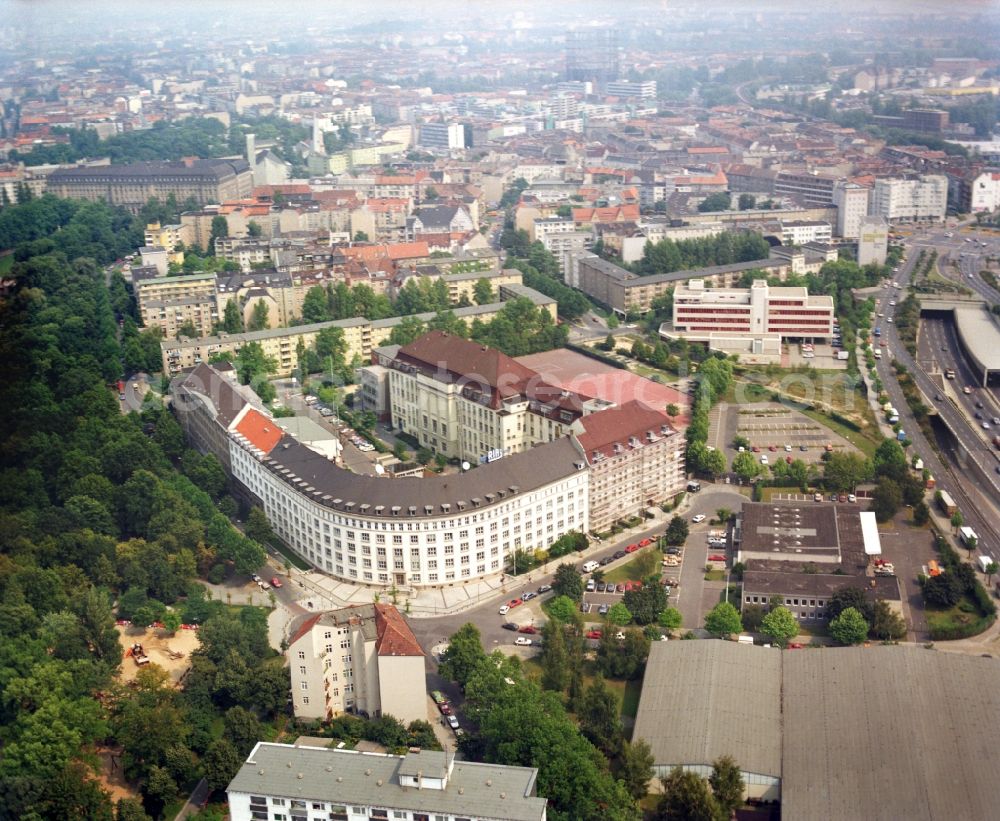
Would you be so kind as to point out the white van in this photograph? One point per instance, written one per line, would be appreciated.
(591, 566)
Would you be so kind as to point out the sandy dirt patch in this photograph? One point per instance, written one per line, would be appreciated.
(159, 645)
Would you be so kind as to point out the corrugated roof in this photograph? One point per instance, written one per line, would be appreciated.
(980, 335)
(704, 699)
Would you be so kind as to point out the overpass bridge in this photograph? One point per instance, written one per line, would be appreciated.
(978, 331)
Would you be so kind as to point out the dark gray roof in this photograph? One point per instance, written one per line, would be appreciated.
(220, 394)
(196, 168)
(704, 699)
(792, 582)
(488, 791)
(317, 477)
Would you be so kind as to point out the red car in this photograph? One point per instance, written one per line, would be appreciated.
(788, 459)
(794, 645)
(629, 586)
(645, 542)
(514, 603)
(772, 447)
(636, 585)
(632, 548)
(715, 557)
(756, 448)
(620, 588)
(275, 582)
(527, 628)
(593, 634)
(445, 708)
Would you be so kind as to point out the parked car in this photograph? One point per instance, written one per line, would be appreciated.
(445, 708)
(619, 554)
(645, 542)
(788, 448)
(803, 447)
(528, 629)
(527, 596)
(593, 634)
(817, 497)
(453, 722)
(275, 581)
(851, 497)
(254, 577)
(509, 625)
(673, 551)
(439, 697)
(698, 519)
(601, 587)
(585, 607)
(620, 587)
(514, 603)
(605, 560)
(545, 588)
(842, 497)
(504, 609)
(772, 448)
(591, 585)
(632, 548)
(715, 557)
(522, 641)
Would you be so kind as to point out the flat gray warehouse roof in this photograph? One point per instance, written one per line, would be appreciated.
(883, 733)
(704, 699)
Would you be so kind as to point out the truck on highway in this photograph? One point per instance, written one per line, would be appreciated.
(968, 536)
(985, 562)
(946, 503)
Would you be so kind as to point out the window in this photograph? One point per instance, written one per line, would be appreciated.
(258, 799)
(302, 654)
(304, 685)
(278, 802)
(302, 670)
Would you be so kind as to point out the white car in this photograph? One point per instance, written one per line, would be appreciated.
(504, 610)
(698, 519)
(522, 641)
(763, 458)
(788, 448)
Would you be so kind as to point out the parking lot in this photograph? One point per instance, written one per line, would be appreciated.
(909, 549)
(773, 430)
(823, 356)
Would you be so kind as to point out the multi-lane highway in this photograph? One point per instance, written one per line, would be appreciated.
(975, 500)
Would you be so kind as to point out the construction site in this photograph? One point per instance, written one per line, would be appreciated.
(171, 651)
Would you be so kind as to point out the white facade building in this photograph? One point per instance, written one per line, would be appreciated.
(911, 200)
(282, 782)
(851, 200)
(984, 191)
(373, 530)
(873, 241)
(799, 232)
(362, 659)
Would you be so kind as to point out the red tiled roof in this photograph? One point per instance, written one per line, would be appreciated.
(602, 430)
(394, 635)
(621, 213)
(305, 627)
(261, 431)
(393, 251)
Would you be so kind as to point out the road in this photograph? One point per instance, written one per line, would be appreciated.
(968, 496)
(434, 631)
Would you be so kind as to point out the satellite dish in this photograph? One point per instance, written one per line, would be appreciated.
(466, 465)
(380, 469)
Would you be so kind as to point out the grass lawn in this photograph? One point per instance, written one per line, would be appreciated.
(813, 630)
(859, 440)
(627, 692)
(636, 569)
(715, 576)
(749, 392)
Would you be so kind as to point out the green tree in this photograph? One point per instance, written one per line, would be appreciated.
(408, 329)
(886, 499)
(991, 570)
(160, 787)
(647, 602)
(849, 627)
(723, 620)
(568, 582)
(315, 307)
(942, 590)
(686, 797)
(726, 782)
(220, 763)
(747, 202)
(482, 291)
(713, 463)
(259, 316)
(780, 625)
(921, 513)
(464, 653)
(555, 661)
(746, 466)
(171, 621)
(715, 202)
(845, 471)
(957, 520)
(130, 809)
(563, 608)
(599, 716)
(220, 230)
(677, 531)
(890, 460)
(634, 766)
(258, 526)
(618, 615)
(243, 729)
(887, 624)
(253, 229)
(849, 596)
(671, 618)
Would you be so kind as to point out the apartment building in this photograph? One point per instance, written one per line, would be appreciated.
(758, 310)
(361, 335)
(362, 659)
(131, 186)
(622, 88)
(445, 136)
(923, 198)
(636, 460)
(168, 303)
(374, 530)
(467, 401)
(282, 782)
(807, 188)
(873, 241)
(851, 200)
(799, 232)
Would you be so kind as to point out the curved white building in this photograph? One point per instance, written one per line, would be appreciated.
(370, 530)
